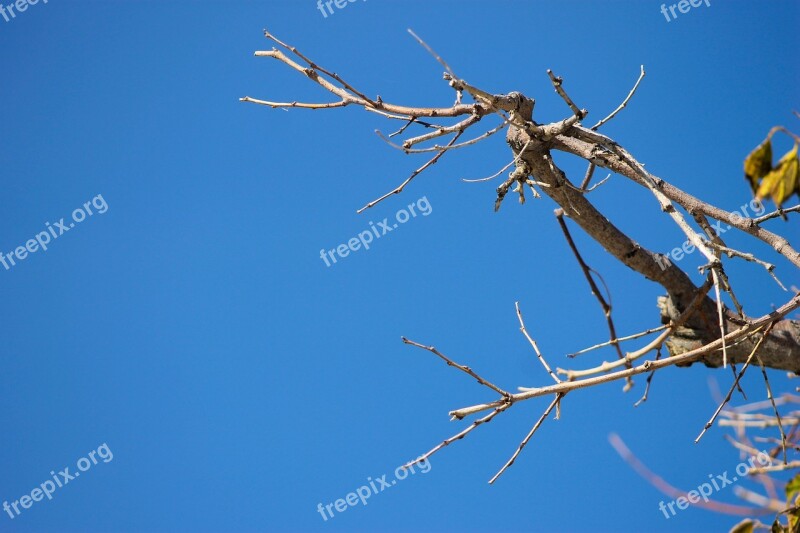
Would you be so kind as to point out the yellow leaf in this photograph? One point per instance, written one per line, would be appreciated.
(758, 163)
(782, 181)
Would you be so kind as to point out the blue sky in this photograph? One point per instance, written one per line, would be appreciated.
(193, 328)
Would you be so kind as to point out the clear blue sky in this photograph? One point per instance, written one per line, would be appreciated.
(194, 329)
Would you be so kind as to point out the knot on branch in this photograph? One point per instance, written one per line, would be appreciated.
(523, 106)
(518, 176)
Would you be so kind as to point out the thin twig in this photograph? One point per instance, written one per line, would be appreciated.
(527, 438)
(590, 189)
(774, 468)
(460, 434)
(413, 175)
(470, 142)
(533, 343)
(717, 242)
(774, 407)
(463, 368)
(595, 290)
(410, 121)
(620, 339)
(437, 147)
(445, 130)
(735, 383)
(513, 162)
(648, 381)
(299, 105)
(730, 252)
(776, 214)
(431, 52)
(624, 102)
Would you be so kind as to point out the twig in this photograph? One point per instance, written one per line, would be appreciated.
(585, 182)
(730, 252)
(413, 175)
(716, 242)
(431, 52)
(436, 147)
(493, 176)
(720, 314)
(626, 361)
(648, 381)
(533, 343)
(624, 102)
(557, 82)
(713, 389)
(774, 468)
(776, 214)
(410, 121)
(460, 434)
(513, 162)
(300, 105)
(650, 182)
(470, 142)
(620, 339)
(527, 438)
(772, 402)
(595, 290)
(445, 130)
(465, 369)
(590, 189)
(735, 383)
